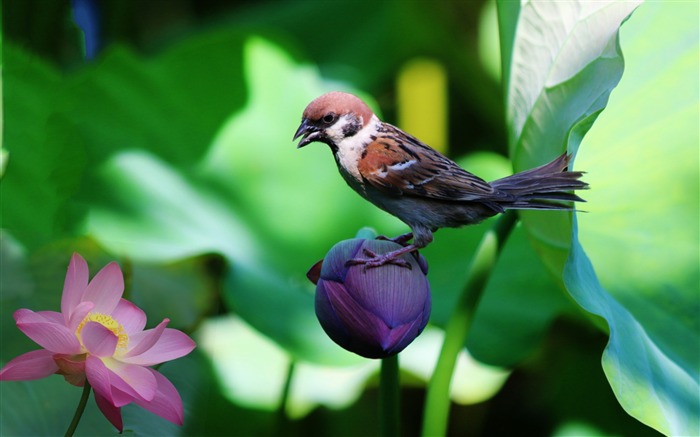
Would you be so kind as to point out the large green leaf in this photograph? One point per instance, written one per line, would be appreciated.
(560, 63)
(45, 407)
(642, 233)
(46, 164)
(565, 62)
(644, 245)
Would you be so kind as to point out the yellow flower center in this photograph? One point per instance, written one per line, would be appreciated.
(108, 322)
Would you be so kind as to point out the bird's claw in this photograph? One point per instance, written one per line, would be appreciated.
(402, 239)
(375, 260)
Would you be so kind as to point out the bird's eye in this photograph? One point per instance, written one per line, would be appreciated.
(328, 118)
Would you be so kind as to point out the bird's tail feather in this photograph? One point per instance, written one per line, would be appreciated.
(544, 187)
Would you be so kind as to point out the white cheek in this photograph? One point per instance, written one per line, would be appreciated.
(335, 132)
(350, 149)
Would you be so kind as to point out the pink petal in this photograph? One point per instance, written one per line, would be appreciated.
(78, 314)
(166, 403)
(46, 332)
(99, 340)
(101, 379)
(51, 316)
(98, 377)
(112, 413)
(172, 344)
(131, 317)
(105, 289)
(31, 365)
(136, 381)
(74, 285)
(140, 342)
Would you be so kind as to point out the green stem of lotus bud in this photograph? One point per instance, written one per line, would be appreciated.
(389, 396)
(437, 403)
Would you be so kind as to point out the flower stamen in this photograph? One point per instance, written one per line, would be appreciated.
(108, 322)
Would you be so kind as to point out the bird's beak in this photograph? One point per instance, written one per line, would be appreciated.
(308, 132)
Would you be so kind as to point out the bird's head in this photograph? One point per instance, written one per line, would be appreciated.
(331, 118)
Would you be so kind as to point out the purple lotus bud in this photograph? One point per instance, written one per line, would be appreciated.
(374, 312)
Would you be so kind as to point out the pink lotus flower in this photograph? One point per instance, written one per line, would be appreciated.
(100, 336)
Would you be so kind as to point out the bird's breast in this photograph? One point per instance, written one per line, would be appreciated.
(353, 179)
(347, 158)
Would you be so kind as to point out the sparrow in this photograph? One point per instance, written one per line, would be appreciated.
(416, 183)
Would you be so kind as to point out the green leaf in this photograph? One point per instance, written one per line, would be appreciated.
(647, 380)
(47, 162)
(519, 305)
(45, 407)
(183, 291)
(565, 62)
(643, 243)
(642, 233)
(508, 13)
(17, 285)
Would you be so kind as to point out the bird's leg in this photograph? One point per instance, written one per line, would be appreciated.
(401, 239)
(421, 238)
(376, 260)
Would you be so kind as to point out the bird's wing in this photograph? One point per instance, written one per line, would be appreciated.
(401, 165)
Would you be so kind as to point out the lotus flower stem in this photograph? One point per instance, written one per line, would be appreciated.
(79, 411)
(437, 403)
(282, 422)
(389, 396)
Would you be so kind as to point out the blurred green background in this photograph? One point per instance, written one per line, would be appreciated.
(162, 140)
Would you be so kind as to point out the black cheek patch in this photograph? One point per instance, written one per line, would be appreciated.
(351, 128)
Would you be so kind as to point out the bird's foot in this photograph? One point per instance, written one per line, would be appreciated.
(375, 260)
(402, 239)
